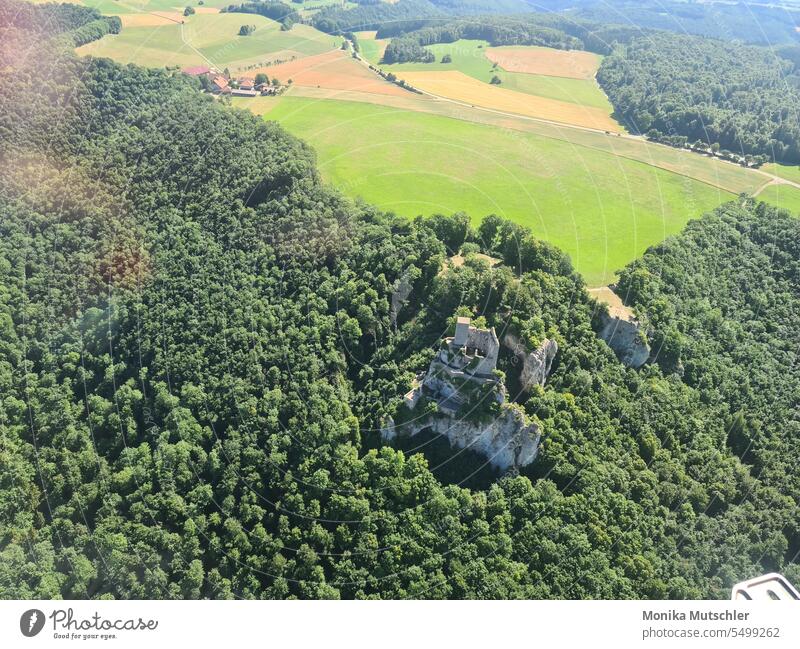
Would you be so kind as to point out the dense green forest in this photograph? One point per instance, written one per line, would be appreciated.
(740, 98)
(198, 340)
(760, 24)
(278, 11)
(767, 24)
(80, 25)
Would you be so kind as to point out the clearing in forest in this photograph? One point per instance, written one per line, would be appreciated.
(573, 64)
(460, 87)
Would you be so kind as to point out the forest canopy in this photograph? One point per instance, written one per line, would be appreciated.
(741, 98)
(199, 339)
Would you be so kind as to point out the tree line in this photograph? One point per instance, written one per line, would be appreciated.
(731, 96)
(273, 9)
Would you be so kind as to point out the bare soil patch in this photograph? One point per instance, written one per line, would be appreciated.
(334, 70)
(573, 64)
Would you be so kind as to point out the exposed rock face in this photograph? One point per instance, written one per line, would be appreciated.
(400, 294)
(508, 441)
(462, 384)
(623, 336)
(537, 364)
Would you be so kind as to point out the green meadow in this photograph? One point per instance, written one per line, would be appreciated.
(211, 38)
(786, 197)
(120, 7)
(789, 172)
(602, 209)
(469, 57)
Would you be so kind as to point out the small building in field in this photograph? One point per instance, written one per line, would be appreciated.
(239, 92)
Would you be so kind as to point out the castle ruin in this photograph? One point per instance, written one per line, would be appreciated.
(471, 409)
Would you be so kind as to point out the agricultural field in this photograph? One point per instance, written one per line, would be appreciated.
(334, 70)
(604, 210)
(546, 60)
(472, 58)
(789, 172)
(211, 39)
(123, 7)
(371, 48)
(786, 197)
(457, 86)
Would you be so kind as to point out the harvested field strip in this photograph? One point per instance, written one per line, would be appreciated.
(332, 71)
(460, 87)
(150, 19)
(573, 64)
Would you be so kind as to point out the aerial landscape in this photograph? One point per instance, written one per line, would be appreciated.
(410, 299)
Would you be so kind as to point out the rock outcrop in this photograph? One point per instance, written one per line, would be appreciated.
(470, 400)
(536, 365)
(626, 339)
(508, 441)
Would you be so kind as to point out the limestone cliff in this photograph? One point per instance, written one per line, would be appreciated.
(464, 399)
(625, 338)
(536, 365)
(507, 441)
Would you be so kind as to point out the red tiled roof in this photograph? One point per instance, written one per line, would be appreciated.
(196, 70)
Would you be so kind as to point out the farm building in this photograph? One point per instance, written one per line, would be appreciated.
(196, 70)
(240, 92)
(246, 83)
(219, 84)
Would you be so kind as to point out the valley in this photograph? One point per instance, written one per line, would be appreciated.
(523, 132)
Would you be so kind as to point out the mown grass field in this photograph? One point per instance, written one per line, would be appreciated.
(786, 197)
(602, 209)
(790, 172)
(211, 39)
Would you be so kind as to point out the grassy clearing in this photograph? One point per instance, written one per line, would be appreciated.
(211, 38)
(602, 209)
(786, 197)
